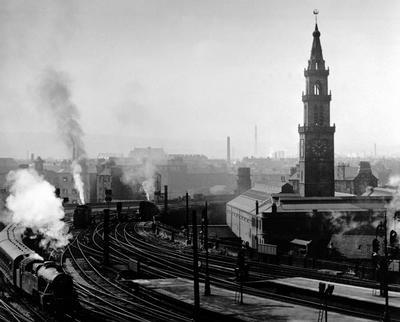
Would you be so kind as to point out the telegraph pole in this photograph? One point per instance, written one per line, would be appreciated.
(195, 268)
(187, 218)
(386, 315)
(207, 289)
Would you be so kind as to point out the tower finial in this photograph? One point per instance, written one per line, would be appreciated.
(316, 12)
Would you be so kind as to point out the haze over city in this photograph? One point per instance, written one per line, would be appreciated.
(183, 75)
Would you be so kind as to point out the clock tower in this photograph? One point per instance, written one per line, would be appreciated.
(316, 155)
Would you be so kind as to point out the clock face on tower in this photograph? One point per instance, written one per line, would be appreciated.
(319, 148)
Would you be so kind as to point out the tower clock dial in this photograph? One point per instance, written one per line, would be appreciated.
(319, 148)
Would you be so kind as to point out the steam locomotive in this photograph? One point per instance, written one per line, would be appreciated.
(148, 210)
(82, 216)
(43, 280)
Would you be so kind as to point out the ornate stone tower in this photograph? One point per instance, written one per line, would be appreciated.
(316, 155)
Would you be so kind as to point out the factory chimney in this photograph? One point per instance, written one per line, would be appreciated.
(255, 141)
(228, 150)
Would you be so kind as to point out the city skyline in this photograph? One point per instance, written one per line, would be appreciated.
(185, 75)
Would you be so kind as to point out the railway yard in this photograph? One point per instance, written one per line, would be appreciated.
(149, 277)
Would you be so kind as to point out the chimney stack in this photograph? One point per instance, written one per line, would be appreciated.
(228, 150)
(244, 181)
(255, 141)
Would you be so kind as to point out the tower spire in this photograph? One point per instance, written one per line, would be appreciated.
(316, 12)
(316, 59)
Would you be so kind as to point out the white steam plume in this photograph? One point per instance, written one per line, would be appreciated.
(56, 98)
(148, 183)
(143, 175)
(76, 172)
(394, 205)
(32, 203)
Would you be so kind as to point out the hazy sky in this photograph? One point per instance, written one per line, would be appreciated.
(186, 74)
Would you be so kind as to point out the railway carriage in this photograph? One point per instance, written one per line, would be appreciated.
(26, 270)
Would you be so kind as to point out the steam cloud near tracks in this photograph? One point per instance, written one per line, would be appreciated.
(32, 203)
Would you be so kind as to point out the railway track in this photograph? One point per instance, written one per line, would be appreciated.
(110, 299)
(172, 261)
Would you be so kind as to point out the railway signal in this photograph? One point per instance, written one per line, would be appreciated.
(376, 246)
(108, 194)
(392, 238)
(241, 271)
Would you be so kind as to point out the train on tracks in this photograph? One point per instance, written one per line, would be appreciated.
(83, 216)
(44, 281)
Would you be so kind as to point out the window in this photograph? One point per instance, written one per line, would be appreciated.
(301, 148)
(317, 88)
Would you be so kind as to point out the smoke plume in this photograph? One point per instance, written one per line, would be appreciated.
(32, 203)
(55, 94)
(143, 175)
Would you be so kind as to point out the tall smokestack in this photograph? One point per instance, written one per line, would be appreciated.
(255, 141)
(228, 150)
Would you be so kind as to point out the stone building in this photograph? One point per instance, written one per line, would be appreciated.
(312, 210)
(354, 180)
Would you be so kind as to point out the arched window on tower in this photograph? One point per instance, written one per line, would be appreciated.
(317, 88)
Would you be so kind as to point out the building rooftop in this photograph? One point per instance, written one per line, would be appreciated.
(380, 191)
(295, 203)
(247, 200)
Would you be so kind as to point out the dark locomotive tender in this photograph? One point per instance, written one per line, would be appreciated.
(82, 216)
(43, 280)
(148, 211)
